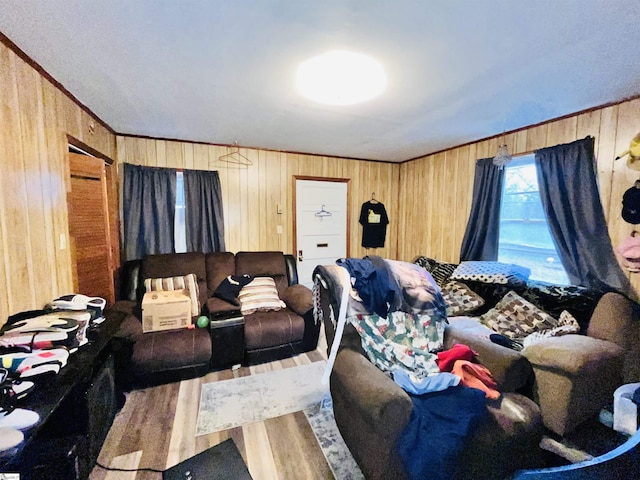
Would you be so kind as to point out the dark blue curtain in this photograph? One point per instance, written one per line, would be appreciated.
(148, 204)
(569, 192)
(203, 211)
(480, 240)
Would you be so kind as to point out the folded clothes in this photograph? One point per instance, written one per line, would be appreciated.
(431, 383)
(459, 351)
(478, 376)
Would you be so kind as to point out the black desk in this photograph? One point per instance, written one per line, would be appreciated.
(63, 401)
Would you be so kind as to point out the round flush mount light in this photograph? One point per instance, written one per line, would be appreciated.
(341, 77)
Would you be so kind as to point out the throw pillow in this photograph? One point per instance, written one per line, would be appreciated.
(260, 295)
(516, 318)
(492, 272)
(460, 299)
(567, 324)
(442, 271)
(425, 262)
(188, 283)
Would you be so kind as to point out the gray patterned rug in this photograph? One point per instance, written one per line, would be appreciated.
(241, 401)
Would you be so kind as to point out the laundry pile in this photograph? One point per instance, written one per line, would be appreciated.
(33, 346)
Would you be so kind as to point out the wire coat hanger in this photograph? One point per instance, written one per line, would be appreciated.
(235, 158)
(373, 198)
(323, 213)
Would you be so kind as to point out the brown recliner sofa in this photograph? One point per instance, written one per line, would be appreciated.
(576, 375)
(371, 410)
(267, 335)
(163, 356)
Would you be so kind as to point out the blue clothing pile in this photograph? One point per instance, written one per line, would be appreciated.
(440, 424)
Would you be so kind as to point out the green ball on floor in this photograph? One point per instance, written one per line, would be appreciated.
(203, 321)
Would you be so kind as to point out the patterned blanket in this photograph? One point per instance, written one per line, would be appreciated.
(407, 337)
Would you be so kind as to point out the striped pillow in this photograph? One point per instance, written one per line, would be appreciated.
(188, 283)
(260, 295)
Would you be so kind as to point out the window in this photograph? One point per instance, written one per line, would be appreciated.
(525, 238)
(180, 229)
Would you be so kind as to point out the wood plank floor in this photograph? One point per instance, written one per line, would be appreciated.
(156, 429)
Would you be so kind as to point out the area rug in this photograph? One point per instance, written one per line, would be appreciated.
(241, 401)
(324, 427)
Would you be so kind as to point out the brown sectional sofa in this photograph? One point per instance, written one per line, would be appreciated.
(573, 376)
(371, 410)
(158, 357)
(570, 379)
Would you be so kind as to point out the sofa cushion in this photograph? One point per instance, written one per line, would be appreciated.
(219, 265)
(260, 295)
(264, 264)
(171, 350)
(269, 329)
(460, 299)
(491, 272)
(187, 283)
(516, 318)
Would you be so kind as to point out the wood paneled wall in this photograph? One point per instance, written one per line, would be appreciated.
(428, 199)
(442, 183)
(35, 118)
(251, 195)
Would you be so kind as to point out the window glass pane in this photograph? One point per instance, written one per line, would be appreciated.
(179, 222)
(524, 234)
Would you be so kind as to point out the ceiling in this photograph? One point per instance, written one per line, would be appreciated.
(224, 71)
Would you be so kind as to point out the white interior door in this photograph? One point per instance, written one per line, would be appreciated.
(321, 225)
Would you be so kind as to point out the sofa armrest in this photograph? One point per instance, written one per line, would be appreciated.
(572, 354)
(510, 369)
(298, 298)
(292, 270)
(374, 394)
(130, 328)
(614, 319)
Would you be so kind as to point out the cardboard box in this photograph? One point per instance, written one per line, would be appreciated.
(165, 311)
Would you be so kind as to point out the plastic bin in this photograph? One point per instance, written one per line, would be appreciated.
(625, 412)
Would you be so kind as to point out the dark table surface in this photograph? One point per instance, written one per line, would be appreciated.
(51, 390)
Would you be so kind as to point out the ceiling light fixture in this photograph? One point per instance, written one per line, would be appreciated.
(502, 157)
(341, 77)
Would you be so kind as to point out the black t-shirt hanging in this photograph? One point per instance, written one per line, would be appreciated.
(374, 221)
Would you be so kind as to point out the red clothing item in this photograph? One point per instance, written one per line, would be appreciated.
(474, 375)
(459, 351)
